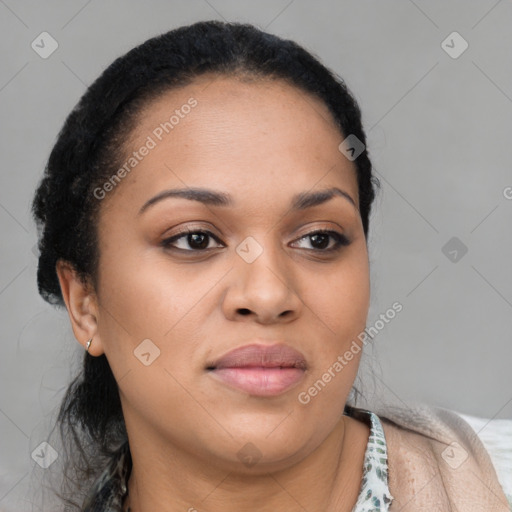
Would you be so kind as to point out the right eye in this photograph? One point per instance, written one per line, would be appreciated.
(198, 240)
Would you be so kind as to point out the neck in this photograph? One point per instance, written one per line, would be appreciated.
(329, 479)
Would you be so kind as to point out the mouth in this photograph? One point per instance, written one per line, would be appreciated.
(260, 370)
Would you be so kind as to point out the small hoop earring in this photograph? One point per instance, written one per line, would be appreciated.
(88, 344)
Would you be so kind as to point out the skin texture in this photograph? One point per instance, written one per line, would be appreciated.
(262, 142)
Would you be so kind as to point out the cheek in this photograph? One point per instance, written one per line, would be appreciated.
(340, 296)
(145, 296)
(147, 293)
(340, 309)
(339, 303)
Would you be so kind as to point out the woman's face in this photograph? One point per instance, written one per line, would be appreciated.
(169, 306)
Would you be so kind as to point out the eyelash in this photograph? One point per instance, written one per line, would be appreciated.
(340, 240)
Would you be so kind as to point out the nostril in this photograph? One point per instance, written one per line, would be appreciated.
(244, 311)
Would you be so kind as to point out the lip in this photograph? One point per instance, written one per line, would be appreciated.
(260, 370)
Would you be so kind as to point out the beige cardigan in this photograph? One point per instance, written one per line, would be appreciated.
(437, 463)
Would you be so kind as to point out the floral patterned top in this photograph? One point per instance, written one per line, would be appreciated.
(374, 495)
(110, 489)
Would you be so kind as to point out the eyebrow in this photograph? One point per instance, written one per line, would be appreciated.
(206, 196)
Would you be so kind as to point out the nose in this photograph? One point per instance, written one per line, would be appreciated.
(262, 290)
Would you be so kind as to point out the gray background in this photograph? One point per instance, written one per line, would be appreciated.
(439, 132)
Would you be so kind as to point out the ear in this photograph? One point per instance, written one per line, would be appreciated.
(81, 303)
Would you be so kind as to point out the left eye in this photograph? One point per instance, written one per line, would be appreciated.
(320, 240)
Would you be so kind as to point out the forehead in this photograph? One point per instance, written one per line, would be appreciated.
(229, 133)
